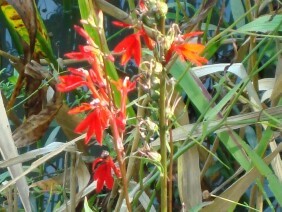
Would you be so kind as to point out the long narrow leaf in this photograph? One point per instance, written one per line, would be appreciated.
(9, 150)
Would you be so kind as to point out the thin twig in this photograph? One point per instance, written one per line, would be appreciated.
(170, 182)
(73, 182)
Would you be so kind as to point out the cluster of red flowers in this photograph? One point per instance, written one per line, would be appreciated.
(94, 78)
(130, 46)
(103, 112)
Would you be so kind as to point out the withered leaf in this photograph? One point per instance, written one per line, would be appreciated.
(53, 183)
(35, 126)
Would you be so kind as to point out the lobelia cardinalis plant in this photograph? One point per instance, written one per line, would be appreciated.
(102, 112)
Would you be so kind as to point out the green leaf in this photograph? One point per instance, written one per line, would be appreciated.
(86, 206)
(212, 113)
(237, 10)
(17, 26)
(200, 101)
(266, 23)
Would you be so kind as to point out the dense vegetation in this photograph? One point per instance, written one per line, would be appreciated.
(146, 105)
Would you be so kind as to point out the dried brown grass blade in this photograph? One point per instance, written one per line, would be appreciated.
(188, 169)
(42, 160)
(9, 150)
(232, 122)
(82, 175)
(275, 100)
(31, 154)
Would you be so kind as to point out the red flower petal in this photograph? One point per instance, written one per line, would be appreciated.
(121, 24)
(142, 6)
(102, 168)
(84, 107)
(96, 162)
(84, 34)
(95, 123)
(191, 53)
(75, 55)
(99, 175)
(191, 34)
(148, 41)
(132, 47)
(70, 82)
(170, 52)
(191, 47)
(136, 51)
(109, 178)
(78, 71)
(187, 51)
(84, 125)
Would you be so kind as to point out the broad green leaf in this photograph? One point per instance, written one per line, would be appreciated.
(266, 23)
(237, 10)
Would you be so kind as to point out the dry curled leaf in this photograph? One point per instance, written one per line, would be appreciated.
(53, 184)
(35, 126)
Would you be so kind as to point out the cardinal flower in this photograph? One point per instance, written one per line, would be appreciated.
(71, 82)
(187, 51)
(124, 86)
(95, 122)
(102, 168)
(130, 46)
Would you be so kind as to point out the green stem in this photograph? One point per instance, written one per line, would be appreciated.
(119, 150)
(163, 140)
(131, 5)
(163, 128)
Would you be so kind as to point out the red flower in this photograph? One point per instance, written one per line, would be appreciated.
(71, 82)
(102, 168)
(124, 86)
(187, 51)
(130, 46)
(142, 6)
(95, 122)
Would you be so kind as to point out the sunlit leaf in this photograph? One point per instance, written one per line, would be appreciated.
(28, 25)
(266, 23)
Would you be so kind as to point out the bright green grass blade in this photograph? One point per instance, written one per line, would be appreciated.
(200, 101)
(264, 141)
(258, 162)
(230, 139)
(212, 113)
